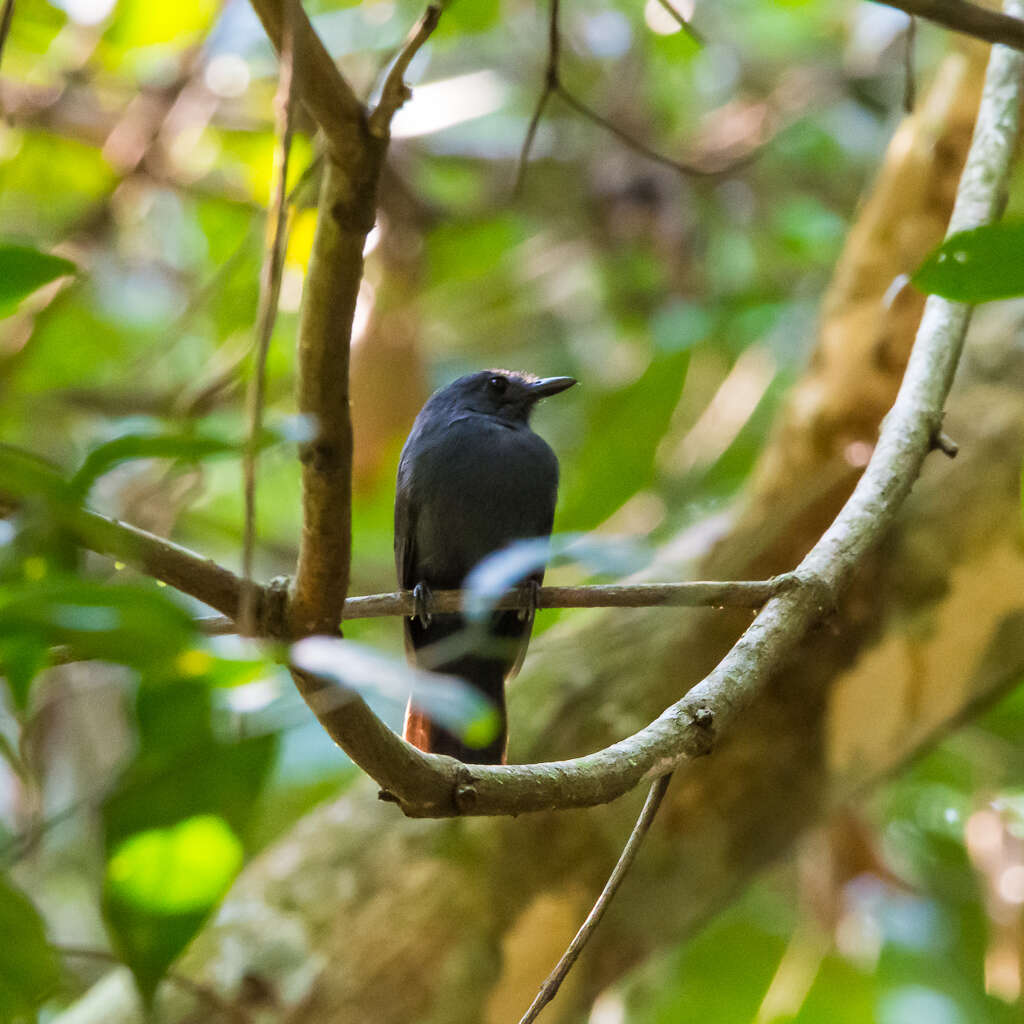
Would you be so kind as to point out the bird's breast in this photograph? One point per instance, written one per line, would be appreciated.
(478, 488)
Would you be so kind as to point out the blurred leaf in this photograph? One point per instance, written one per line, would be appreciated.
(460, 252)
(979, 265)
(29, 971)
(22, 658)
(466, 16)
(23, 270)
(505, 569)
(189, 447)
(809, 230)
(679, 325)
(139, 24)
(622, 436)
(185, 765)
(24, 475)
(128, 624)
(160, 886)
(451, 701)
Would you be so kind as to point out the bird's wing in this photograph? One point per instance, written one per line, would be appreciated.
(405, 554)
(405, 540)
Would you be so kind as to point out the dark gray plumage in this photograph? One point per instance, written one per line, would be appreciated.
(473, 477)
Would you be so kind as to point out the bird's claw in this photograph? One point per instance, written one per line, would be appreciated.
(422, 598)
(529, 599)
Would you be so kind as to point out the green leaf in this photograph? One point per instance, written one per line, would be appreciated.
(146, 446)
(184, 767)
(462, 17)
(23, 270)
(29, 971)
(128, 624)
(161, 885)
(22, 658)
(24, 475)
(979, 265)
(624, 430)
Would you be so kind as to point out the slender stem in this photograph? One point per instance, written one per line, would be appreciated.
(554, 980)
(395, 92)
(6, 18)
(968, 18)
(270, 290)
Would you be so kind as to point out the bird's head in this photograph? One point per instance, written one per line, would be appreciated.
(505, 394)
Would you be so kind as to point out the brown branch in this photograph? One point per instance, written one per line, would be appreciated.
(686, 169)
(909, 70)
(324, 91)
(270, 289)
(395, 92)
(693, 594)
(348, 202)
(554, 980)
(968, 18)
(686, 26)
(6, 17)
(553, 85)
(162, 559)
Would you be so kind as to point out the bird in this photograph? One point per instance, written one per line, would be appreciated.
(473, 478)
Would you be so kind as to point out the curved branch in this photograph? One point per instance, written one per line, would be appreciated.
(554, 980)
(395, 92)
(430, 785)
(968, 18)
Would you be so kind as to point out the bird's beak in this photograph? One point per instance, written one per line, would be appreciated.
(550, 386)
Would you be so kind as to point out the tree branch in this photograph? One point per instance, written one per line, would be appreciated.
(6, 17)
(347, 209)
(437, 786)
(323, 89)
(162, 559)
(270, 288)
(692, 594)
(395, 92)
(554, 980)
(968, 18)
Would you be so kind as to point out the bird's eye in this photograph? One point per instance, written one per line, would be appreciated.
(498, 384)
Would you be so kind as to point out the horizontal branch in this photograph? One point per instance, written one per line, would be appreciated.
(693, 594)
(968, 18)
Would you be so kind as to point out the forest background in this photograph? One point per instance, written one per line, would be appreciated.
(713, 230)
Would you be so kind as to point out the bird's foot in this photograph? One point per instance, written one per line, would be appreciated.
(422, 597)
(529, 599)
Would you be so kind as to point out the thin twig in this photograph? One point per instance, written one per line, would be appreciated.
(553, 982)
(6, 17)
(553, 85)
(551, 82)
(688, 28)
(968, 18)
(685, 169)
(909, 71)
(395, 92)
(270, 289)
(324, 91)
(524, 152)
(202, 993)
(694, 594)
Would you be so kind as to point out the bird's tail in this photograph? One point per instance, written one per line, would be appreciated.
(484, 674)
